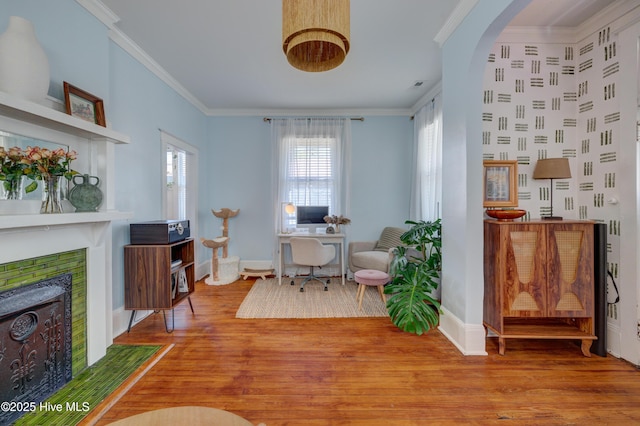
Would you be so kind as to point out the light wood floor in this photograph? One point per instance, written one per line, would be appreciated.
(367, 372)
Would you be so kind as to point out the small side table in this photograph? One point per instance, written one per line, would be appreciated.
(370, 277)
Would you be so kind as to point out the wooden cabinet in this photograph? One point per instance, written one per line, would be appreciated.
(153, 274)
(539, 280)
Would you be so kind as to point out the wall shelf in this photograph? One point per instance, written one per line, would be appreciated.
(40, 115)
(94, 144)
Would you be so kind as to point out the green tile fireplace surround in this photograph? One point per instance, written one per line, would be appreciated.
(29, 271)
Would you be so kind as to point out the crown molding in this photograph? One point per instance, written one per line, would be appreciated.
(537, 35)
(129, 46)
(428, 97)
(109, 19)
(100, 11)
(352, 112)
(457, 16)
(618, 15)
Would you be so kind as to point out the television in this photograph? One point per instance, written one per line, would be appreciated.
(311, 217)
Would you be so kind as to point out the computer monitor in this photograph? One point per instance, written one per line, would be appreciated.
(311, 217)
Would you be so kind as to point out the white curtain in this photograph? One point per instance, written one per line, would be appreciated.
(311, 160)
(311, 157)
(426, 188)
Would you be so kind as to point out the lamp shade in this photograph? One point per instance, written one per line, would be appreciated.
(315, 33)
(552, 168)
(289, 208)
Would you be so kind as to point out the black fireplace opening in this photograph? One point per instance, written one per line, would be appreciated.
(35, 342)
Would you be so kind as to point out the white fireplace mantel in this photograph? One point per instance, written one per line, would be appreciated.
(8, 222)
(24, 233)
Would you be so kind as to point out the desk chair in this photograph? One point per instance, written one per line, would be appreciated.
(311, 252)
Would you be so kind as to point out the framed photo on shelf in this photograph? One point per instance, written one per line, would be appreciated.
(500, 188)
(83, 105)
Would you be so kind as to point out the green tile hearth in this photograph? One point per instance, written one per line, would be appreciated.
(29, 271)
(85, 391)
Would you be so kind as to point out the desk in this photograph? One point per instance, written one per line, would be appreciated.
(337, 239)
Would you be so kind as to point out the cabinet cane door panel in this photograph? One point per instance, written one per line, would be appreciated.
(570, 271)
(525, 281)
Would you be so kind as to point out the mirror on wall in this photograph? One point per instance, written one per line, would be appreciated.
(9, 140)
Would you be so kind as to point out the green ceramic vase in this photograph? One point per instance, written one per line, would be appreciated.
(85, 196)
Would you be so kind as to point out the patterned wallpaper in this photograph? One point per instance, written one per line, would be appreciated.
(547, 100)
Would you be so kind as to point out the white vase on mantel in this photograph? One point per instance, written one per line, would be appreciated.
(24, 67)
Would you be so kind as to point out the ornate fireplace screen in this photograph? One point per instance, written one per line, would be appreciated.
(35, 342)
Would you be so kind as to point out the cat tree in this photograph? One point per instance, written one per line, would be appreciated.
(223, 270)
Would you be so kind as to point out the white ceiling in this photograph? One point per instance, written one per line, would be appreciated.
(228, 53)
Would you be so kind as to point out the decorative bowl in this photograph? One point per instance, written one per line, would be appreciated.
(505, 215)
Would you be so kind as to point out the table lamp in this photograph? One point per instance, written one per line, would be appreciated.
(552, 168)
(286, 210)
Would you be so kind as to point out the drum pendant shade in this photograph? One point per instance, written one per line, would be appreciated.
(315, 33)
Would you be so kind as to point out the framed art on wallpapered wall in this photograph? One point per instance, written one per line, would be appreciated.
(499, 183)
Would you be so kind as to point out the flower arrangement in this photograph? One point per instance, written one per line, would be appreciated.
(11, 169)
(337, 220)
(45, 163)
(35, 163)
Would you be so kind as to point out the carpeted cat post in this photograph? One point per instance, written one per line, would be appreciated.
(224, 270)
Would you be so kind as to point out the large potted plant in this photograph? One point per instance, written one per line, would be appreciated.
(415, 277)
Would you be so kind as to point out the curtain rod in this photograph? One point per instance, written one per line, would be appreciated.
(432, 101)
(268, 119)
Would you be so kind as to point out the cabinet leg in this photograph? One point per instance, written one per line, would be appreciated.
(133, 314)
(586, 347)
(173, 321)
(501, 345)
(191, 305)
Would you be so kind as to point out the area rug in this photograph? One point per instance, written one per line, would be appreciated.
(267, 299)
(86, 393)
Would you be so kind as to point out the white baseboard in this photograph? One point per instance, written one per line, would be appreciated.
(121, 319)
(470, 339)
(204, 268)
(614, 340)
(256, 264)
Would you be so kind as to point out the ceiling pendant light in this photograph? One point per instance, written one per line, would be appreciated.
(315, 33)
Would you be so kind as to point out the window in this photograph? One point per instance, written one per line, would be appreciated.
(176, 205)
(180, 180)
(312, 156)
(310, 178)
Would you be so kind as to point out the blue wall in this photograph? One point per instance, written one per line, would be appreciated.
(381, 176)
(74, 41)
(234, 152)
(238, 175)
(136, 104)
(141, 104)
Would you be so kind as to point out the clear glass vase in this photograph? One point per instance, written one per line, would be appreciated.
(11, 189)
(51, 194)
